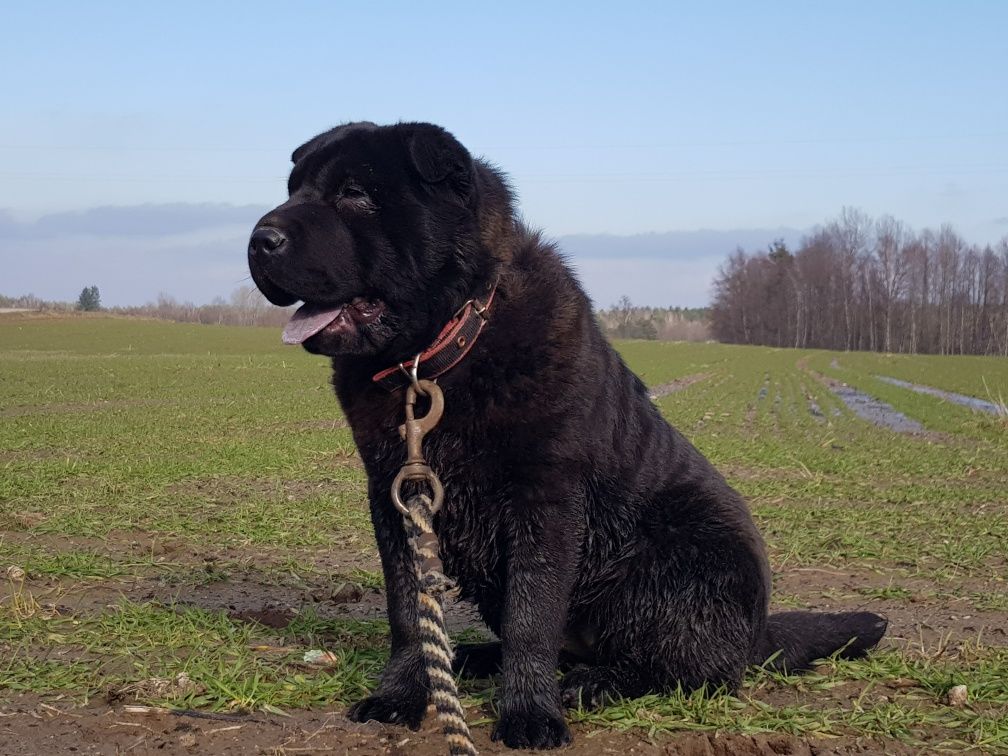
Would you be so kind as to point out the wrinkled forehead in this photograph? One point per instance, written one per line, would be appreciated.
(340, 151)
(330, 136)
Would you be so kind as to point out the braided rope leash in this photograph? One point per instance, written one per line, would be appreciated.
(418, 516)
(437, 648)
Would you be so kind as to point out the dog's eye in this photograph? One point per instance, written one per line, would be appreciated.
(353, 197)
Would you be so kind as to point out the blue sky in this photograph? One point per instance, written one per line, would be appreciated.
(621, 119)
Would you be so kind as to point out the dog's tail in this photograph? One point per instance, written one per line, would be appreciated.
(794, 640)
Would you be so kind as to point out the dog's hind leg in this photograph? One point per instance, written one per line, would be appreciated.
(686, 616)
(477, 659)
(661, 657)
(480, 660)
(590, 687)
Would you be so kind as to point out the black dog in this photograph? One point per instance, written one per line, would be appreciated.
(590, 533)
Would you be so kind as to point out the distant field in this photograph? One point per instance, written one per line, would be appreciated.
(187, 499)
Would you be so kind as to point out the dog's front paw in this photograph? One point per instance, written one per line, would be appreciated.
(538, 728)
(407, 709)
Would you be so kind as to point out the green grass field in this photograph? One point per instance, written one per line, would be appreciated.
(169, 491)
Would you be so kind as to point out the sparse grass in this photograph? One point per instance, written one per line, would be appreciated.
(83, 564)
(889, 696)
(997, 398)
(234, 665)
(139, 453)
(665, 714)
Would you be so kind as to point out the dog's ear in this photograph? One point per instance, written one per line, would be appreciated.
(438, 158)
(310, 146)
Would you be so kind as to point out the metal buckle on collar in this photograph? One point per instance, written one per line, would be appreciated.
(462, 308)
(480, 308)
(477, 306)
(413, 372)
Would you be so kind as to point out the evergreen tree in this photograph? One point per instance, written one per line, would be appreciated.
(89, 299)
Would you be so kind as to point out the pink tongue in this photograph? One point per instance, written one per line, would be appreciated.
(307, 321)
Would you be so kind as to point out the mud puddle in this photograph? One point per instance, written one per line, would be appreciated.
(865, 406)
(980, 405)
(874, 410)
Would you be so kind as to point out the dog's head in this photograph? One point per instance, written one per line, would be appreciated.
(387, 231)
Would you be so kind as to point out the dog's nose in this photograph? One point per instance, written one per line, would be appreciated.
(267, 240)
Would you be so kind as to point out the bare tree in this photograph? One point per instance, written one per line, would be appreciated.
(862, 284)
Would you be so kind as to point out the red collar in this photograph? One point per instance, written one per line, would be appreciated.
(448, 349)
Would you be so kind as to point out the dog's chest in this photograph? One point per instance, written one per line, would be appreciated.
(471, 524)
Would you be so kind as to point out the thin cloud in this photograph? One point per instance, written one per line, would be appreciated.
(150, 220)
(673, 245)
(128, 271)
(198, 251)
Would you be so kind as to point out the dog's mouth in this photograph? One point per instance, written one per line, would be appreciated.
(342, 320)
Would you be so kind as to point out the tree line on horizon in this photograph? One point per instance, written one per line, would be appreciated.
(246, 306)
(862, 283)
(855, 283)
(624, 320)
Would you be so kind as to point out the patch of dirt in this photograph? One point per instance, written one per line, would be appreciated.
(34, 455)
(246, 598)
(922, 623)
(23, 520)
(925, 622)
(247, 595)
(249, 583)
(657, 392)
(170, 552)
(165, 549)
(45, 541)
(230, 488)
(29, 726)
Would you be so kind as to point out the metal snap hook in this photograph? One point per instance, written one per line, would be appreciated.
(413, 373)
(412, 432)
(428, 475)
